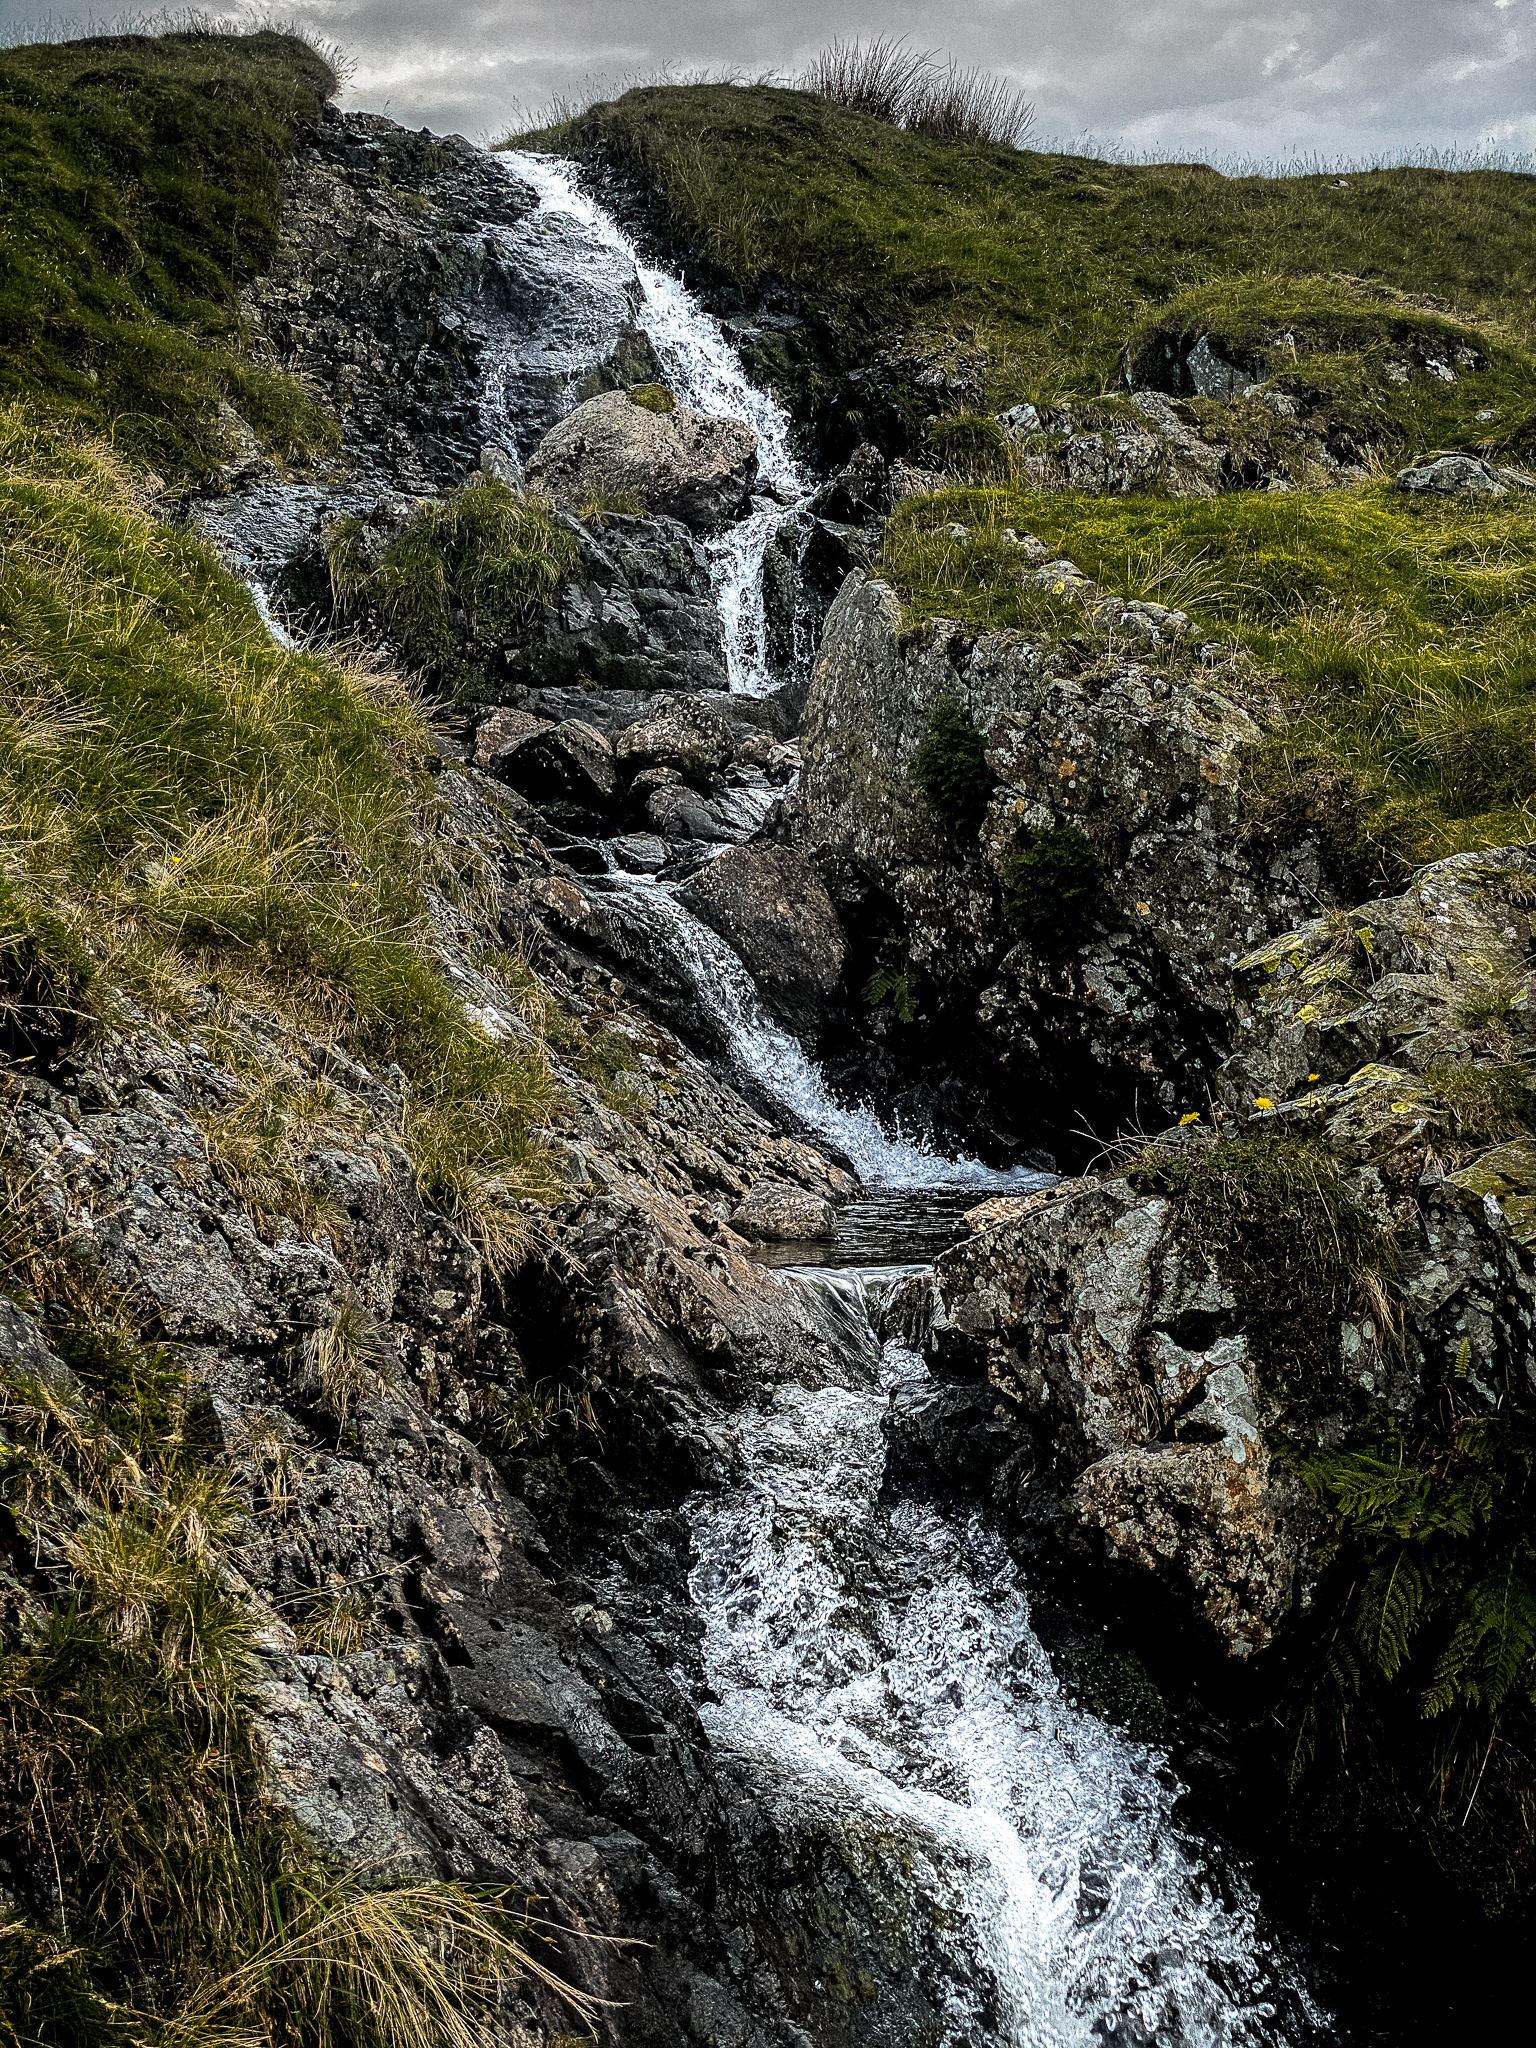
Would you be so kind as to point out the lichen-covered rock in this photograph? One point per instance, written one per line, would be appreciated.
(1144, 761)
(774, 1211)
(681, 463)
(1115, 1321)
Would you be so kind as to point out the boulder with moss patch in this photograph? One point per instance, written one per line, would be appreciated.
(955, 783)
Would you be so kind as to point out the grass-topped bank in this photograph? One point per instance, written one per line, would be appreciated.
(139, 189)
(204, 824)
(1401, 630)
(1054, 264)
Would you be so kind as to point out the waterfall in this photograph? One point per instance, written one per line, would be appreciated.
(764, 1054)
(702, 369)
(870, 1662)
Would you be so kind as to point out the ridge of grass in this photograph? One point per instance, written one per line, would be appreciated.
(140, 188)
(202, 822)
(1401, 630)
(1052, 262)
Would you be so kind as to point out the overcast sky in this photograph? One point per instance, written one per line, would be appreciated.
(1182, 77)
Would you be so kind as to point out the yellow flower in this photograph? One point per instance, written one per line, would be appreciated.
(1190, 1117)
(1312, 1077)
(1262, 1102)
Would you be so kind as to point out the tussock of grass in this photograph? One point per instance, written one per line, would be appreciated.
(494, 554)
(139, 189)
(1402, 631)
(195, 816)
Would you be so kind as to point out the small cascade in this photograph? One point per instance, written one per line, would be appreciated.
(764, 1054)
(870, 1662)
(699, 364)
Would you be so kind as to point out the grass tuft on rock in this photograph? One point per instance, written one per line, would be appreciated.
(493, 555)
(1054, 894)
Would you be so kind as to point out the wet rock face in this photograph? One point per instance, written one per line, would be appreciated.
(1121, 1341)
(771, 907)
(678, 463)
(1144, 762)
(406, 285)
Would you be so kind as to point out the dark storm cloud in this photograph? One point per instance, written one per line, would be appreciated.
(1187, 76)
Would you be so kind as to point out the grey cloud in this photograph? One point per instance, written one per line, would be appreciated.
(1186, 77)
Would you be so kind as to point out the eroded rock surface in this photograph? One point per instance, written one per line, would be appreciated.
(679, 463)
(1144, 759)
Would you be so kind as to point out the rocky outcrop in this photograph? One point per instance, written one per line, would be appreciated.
(1119, 1325)
(676, 462)
(403, 258)
(513, 1714)
(770, 905)
(1144, 761)
(1463, 476)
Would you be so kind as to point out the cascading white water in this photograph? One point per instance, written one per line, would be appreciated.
(703, 370)
(765, 1053)
(871, 1662)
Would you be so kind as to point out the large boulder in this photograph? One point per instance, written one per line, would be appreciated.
(679, 463)
(770, 904)
(638, 613)
(567, 770)
(1164, 1367)
(1143, 762)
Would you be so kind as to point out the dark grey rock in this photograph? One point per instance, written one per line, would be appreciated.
(772, 908)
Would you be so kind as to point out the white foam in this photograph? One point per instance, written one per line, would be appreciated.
(874, 1666)
(704, 371)
(763, 1052)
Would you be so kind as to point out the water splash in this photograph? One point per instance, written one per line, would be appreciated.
(873, 1665)
(702, 369)
(763, 1053)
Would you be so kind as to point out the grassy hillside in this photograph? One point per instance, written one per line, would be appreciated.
(1401, 630)
(139, 189)
(1055, 264)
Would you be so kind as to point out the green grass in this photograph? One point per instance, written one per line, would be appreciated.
(191, 813)
(139, 190)
(494, 555)
(1402, 632)
(1055, 263)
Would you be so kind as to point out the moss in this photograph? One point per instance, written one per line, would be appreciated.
(950, 767)
(1299, 1253)
(1483, 1105)
(651, 398)
(140, 188)
(492, 554)
(1054, 893)
(1403, 633)
(1118, 1686)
